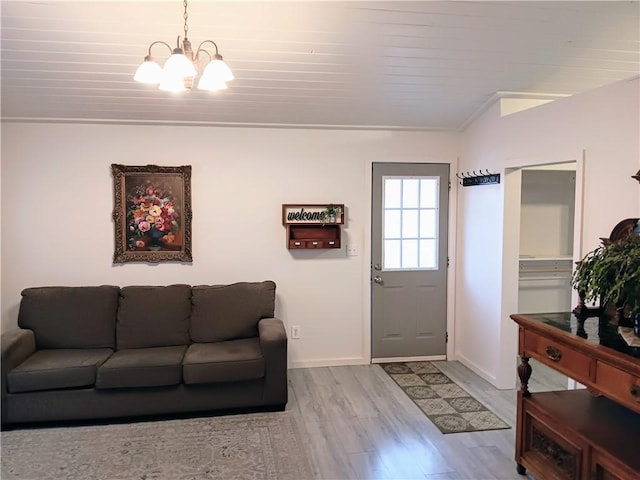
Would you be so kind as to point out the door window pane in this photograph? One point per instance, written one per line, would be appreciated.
(428, 224)
(392, 224)
(428, 254)
(410, 223)
(392, 192)
(392, 254)
(429, 192)
(410, 254)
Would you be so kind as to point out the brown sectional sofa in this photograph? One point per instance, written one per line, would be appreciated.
(107, 351)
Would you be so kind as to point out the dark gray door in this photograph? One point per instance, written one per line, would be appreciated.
(409, 259)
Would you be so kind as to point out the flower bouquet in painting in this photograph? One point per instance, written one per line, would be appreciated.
(152, 216)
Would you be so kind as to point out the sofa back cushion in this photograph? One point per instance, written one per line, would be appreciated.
(150, 316)
(227, 312)
(70, 317)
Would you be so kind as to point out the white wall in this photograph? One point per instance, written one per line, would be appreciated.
(57, 199)
(546, 221)
(603, 126)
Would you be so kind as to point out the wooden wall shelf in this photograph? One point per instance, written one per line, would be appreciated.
(308, 228)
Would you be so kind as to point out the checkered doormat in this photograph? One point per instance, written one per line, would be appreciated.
(446, 404)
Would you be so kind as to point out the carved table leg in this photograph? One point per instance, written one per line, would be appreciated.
(524, 372)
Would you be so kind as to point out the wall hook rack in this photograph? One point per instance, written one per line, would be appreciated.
(473, 178)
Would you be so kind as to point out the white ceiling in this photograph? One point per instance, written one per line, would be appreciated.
(372, 64)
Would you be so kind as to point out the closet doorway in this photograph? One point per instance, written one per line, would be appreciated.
(545, 261)
(547, 216)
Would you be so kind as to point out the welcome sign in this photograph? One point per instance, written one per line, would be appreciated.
(295, 214)
(303, 214)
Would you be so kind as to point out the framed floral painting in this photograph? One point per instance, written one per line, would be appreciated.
(152, 213)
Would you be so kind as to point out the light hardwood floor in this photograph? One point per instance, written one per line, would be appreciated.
(358, 424)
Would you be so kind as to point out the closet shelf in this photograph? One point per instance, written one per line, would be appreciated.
(545, 278)
(548, 266)
(542, 258)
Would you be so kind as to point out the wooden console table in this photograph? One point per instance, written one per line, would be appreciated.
(578, 434)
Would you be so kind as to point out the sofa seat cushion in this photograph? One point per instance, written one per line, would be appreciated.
(58, 368)
(142, 367)
(231, 361)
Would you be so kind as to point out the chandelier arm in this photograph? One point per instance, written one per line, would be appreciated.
(217, 55)
(163, 43)
(195, 58)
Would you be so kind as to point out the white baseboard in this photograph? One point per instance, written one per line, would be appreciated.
(433, 358)
(476, 369)
(329, 362)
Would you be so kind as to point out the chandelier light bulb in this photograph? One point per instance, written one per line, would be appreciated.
(172, 84)
(218, 71)
(179, 66)
(212, 86)
(148, 72)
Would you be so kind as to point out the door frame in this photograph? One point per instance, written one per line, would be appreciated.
(451, 248)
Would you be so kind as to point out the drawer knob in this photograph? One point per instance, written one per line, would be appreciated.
(553, 353)
(635, 391)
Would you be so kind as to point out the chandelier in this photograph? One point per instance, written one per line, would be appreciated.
(181, 67)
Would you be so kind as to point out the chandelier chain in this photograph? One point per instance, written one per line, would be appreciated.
(186, 16)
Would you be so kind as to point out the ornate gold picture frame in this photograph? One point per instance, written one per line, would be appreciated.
(152, 213)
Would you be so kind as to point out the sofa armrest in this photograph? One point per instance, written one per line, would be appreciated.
(15, 345)
(273, 342)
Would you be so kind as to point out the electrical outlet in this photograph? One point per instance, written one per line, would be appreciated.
(352, 250)
(295, 331)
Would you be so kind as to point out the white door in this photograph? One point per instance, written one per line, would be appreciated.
(409, 260)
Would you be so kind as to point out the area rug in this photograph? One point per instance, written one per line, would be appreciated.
(445, 403)
(261, 446)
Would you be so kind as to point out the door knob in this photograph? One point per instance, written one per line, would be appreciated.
(377, 267)
(377, 279)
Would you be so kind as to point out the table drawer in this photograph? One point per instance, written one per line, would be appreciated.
(618, 385)
(556, 355)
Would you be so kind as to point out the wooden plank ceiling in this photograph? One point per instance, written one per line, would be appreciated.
(359, 64)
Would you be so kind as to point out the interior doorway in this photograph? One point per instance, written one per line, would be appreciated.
(546, 250)
(547, 217)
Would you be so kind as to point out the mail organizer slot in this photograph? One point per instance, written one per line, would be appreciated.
(307, 236)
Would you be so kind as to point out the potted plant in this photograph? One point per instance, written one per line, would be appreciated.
(611, 274)
(331, 213)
